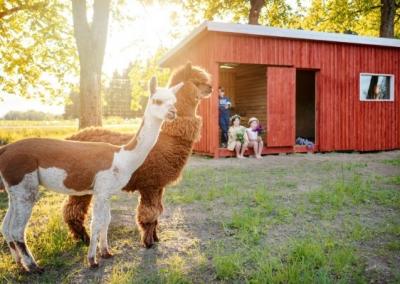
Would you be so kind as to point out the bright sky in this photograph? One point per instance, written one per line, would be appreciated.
(140, 38)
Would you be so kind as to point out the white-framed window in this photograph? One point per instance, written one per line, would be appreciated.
(376, 87)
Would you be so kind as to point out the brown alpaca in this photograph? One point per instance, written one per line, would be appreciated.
(162, 166)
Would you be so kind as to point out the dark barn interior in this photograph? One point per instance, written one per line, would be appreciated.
(305, 104)
(245, 85)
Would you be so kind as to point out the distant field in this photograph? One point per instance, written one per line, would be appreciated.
(12, 130)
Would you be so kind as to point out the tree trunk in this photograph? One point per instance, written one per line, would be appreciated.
(91, 42)
(388, 11)
(255, 9)
(90, 112)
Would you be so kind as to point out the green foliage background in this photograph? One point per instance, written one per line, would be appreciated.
(37, 48)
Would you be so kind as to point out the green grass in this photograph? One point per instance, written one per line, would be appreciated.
(227, 266)
(334, 196)
(393, 162)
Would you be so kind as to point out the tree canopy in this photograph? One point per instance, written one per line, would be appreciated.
(38, 53)
(358, 16)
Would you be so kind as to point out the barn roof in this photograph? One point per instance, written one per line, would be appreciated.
(278, 32)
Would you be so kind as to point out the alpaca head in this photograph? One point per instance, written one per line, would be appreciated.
(162, 101)
(197, 86)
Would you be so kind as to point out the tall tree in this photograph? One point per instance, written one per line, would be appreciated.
(271, 12)
(255, 10)
(91, 41)
(388, 13)
(38, 56)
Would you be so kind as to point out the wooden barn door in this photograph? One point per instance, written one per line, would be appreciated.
(281, 106)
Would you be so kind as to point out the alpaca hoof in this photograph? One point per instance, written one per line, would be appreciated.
(92, 263)
(34, 268)
(106, 255)
(148, 245)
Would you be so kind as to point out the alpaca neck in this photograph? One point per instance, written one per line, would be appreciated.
(186, 128)
(138, 148)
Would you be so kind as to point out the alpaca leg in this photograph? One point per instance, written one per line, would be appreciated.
(75, 211)
(23, 197)
(149, 209)
(155, 236)
(6, 230)
(96, 226)
(104, 249)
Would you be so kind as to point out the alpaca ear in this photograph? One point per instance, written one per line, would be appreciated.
(188, 71)
(153, 85)
(175, 89)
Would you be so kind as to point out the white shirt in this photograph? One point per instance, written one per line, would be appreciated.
(253, 135)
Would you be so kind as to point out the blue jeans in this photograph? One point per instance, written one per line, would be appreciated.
(224, 125)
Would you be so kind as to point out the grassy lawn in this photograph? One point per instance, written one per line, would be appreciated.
(322, 218)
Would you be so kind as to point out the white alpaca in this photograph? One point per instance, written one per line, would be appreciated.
(76, 168)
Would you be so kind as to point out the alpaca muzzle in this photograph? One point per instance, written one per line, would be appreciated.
(206, 92)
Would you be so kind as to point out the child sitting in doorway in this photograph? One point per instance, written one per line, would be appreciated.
(255, 140)
(237, 137)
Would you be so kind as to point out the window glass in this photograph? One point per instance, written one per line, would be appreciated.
(376, 87)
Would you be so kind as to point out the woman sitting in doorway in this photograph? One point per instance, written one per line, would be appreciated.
(254, 134)
(237, 137)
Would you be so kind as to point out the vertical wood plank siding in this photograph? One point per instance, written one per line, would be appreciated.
(281, 109)
(343, 122)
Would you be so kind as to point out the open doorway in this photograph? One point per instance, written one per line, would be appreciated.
(305, 104)
(245, 85)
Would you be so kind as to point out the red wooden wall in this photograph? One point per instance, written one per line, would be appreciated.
(343, 121)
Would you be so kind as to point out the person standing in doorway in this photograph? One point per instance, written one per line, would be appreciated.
(224, 114)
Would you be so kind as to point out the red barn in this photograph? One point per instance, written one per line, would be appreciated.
(337, 90)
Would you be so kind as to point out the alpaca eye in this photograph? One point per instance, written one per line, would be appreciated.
(157, 102)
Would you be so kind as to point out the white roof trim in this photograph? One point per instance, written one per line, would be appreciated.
(283, 33)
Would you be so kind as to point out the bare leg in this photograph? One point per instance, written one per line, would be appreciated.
(255, 147)
(149, 209)
(237, 149)
(260, 148)
(75, 211)
(244, 147)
